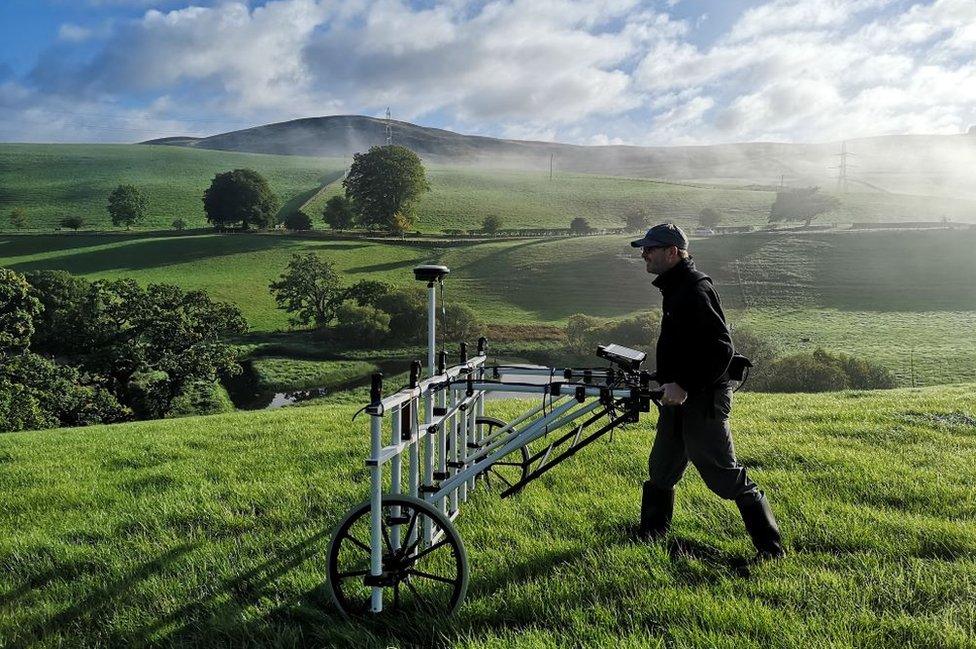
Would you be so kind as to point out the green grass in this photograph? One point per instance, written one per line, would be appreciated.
(52, 181)
(879, 295)
(288, 374)
(212, 532)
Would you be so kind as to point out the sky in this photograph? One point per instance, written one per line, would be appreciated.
(661, 72)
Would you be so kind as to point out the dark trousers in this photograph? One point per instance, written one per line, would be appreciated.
(698, 430)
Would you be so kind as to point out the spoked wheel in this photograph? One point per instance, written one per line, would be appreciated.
(430, 579)
(508, 470)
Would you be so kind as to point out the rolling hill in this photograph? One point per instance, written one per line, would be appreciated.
(922, 164)
(50, 182)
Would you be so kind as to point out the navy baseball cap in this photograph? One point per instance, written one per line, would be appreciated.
(664, 234)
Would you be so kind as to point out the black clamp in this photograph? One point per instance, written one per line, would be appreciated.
(581, 393)
(464, 353)
(415, 369)
(482, 346)
(441, 361)
(568, 374)
(440, 411)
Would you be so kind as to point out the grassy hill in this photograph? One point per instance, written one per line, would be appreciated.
(53, 181)
(904, 299)
(212, 531)
(921, 164)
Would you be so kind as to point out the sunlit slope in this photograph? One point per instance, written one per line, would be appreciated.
(905, 300)
(212, 532)
(53, 181)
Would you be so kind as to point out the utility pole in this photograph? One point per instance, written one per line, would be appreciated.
(389, 128)
(551, 156)
(842, 168)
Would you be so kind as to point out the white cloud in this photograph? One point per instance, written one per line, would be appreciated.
(606, 71)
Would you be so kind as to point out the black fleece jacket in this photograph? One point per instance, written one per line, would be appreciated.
(695, 346)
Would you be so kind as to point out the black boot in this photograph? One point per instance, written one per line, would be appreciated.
(657, 507)
(761, 525)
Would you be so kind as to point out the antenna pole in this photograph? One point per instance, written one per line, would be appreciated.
(389, 127)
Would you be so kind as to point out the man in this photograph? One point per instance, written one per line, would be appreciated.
(694, 351)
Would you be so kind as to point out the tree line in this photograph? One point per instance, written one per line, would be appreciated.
(74, 352)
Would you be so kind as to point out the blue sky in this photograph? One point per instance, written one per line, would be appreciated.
(598, 72)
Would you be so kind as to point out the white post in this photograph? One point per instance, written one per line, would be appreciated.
(429, 401)
(396, 474)
(376, 512)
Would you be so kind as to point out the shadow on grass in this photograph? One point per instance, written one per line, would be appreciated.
(220, 616)
(66, 621)
(155, 253)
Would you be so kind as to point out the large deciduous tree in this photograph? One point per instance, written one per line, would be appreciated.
(311, 290)
(384, 185)
(127, 206)
(803, 204)
(241, 196)
(637, 220)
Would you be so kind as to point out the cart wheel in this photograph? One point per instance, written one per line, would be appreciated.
(511, 468)
(416, 576)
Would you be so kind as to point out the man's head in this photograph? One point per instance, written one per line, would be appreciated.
(662, 247)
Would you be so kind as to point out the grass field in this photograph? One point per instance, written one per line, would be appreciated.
(54, 181)
(212, 531)
(902, 299)
(289, 374)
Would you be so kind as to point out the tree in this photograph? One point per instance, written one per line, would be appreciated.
(178, 225)
(126, 205)
(298, 221)
(18, 309)
(637, 220)
(361, 325)
(579, 225)
(491, 224)
(310, 289)
(709, 218)
(59, 327)
(240, 196)
(338, 213)
(73, 222)
(803, 204)
(385, 182)
(18, 218)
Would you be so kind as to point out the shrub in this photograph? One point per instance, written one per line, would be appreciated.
(584, 333)
(72, 222)
(407, 309)
(179, 225)
(149, 394)
(822, 371)
(361, 325)
(201, 398)
(458, 322)
(298, 222)
(491, 224)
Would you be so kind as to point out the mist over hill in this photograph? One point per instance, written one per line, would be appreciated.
(921, 164)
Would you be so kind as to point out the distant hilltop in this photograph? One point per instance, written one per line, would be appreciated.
(925, 164)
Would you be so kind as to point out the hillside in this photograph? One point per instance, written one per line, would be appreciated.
(212, 531)
(53, 181)
(903, 299)
(920, 164)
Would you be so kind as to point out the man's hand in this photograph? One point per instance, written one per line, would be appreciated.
(674, 394)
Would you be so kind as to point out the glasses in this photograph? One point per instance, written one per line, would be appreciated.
(647, 249)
